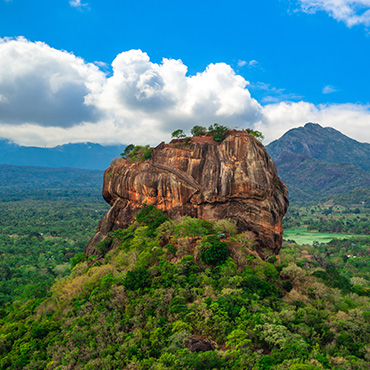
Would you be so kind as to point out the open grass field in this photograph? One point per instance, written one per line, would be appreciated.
(301, 236)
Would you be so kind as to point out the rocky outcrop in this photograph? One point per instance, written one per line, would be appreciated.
(234, 179)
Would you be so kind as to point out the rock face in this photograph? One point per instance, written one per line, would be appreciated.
(235, 179)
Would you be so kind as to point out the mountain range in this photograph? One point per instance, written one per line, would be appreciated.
(317, 162)
(81, 155)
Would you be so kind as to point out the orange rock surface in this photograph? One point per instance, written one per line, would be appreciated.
(235, 179)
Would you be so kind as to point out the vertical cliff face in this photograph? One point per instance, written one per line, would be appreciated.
(235, 179)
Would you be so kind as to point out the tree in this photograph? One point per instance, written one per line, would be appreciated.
(129, 148)
(257, 134)
(198, 131)
(178, 134)
(217, 131)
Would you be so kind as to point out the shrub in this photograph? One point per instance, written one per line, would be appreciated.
(226, 226)
(148, 153)
(129, 148)
(165, 231)
(104, 246)
(217, 131)
(80, 257)
(257, 134)
(213, 251)
(137, 279)
(178, 134)
(151, 217)
(140, 153)
(198, 131)
(193, 227)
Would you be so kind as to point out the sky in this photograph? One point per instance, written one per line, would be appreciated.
(118, 72)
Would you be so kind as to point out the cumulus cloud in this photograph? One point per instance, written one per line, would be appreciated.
(42, 88)
(50, 97)
(351, 119)
(42, 85)
(351, 12)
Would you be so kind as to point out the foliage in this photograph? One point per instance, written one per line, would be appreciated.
(147, 301)
(79, 257)
(257, 134)
(178, 134)
(140, 153)
(42, 235)
(137, 279)
(104, 246)
(151, 217)
(217, 131)
(198, 131)
(194, 227)
(129, 148)
(214, 252)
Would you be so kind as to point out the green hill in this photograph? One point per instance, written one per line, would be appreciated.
(175, 296)
(317, 163)
(322, 143)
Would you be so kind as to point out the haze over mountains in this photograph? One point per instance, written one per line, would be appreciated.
(81, 155)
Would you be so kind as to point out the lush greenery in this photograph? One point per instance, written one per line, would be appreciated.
(320, 163)
(216, 130)
(137, 152)
(144, 305)
(40, 231)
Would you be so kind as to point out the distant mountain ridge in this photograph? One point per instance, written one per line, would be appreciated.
(80, 155)
(317, 162)
(323, 143)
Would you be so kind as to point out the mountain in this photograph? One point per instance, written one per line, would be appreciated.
(81, 155)
(317, 162)
(323, 143)
(29, 177)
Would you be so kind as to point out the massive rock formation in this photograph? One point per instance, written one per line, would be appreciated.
(234, 179)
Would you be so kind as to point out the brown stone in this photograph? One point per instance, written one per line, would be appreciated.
(234, 179)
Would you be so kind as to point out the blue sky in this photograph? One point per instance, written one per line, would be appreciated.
(268, 64)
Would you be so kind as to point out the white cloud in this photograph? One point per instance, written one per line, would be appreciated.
(328, 89)
(50, 97)
(39, 84)
(141, 102)
(78, 4)
(250, 64)
(275, 94)
(351, 119)
(351, 12)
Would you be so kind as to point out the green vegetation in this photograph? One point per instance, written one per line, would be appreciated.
(217, 131)
(178, 134)
(129, 148)
(257, 134)
(137, 152)
(40, 231)
(172, 283)
(302, 236)
(198, 131)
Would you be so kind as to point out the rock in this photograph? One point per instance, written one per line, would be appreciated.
(197, 345)
(235, 179)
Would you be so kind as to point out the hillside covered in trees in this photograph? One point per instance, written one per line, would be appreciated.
(173, 294)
